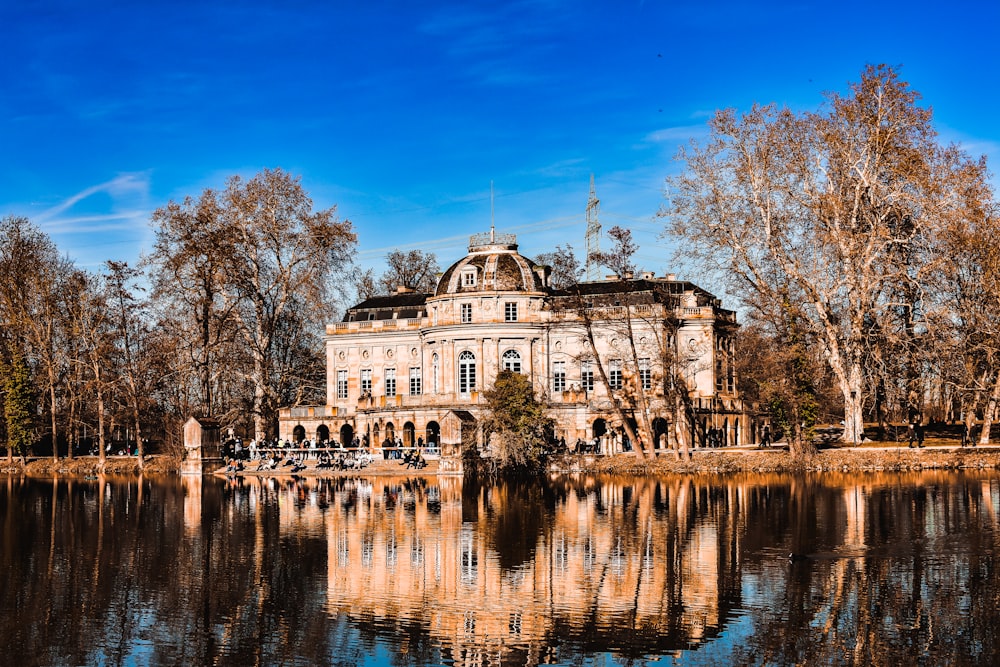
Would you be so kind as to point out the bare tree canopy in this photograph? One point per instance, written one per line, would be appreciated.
(256, 259)
(412, 270)
(835, 211)
(566, 269)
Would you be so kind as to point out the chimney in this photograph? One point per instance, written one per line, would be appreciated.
(543, 272)
(403, 289)
(671, 277)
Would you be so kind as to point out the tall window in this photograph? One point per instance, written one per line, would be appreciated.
(469, 278)
(466, 372)
(416, 386)
(435, 373)
(645, 375)
(466, 313)
(587, 376)
(341, 384)
(558, 376)
(390, 382)
(510, 311)
(615, 374)
(366, 381)
(511, 361)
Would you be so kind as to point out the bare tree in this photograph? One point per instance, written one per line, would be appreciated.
(130, 335)
(827, 203)
(966, 315)
(629, 337)
(254, 267)
(188, 273)
(364, 285)
(566, 269)
(32, 276)
(414, 270)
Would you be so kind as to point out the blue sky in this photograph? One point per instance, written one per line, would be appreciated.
(402, 113)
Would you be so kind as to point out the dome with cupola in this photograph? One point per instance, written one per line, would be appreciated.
(492, 265)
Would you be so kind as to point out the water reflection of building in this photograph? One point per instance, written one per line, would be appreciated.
(610, 558)
(415, 365)
(645, 566)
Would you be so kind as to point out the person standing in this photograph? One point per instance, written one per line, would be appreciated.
(765, 436)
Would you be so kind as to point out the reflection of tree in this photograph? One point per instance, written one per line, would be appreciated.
(516, 516)
(897, 570)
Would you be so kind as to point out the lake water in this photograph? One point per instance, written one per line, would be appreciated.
(895, 570)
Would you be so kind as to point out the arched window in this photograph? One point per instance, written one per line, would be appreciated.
(511, 361)
(435, 373)
(466, 372)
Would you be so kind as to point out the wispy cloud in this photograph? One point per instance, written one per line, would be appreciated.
(109, 220)
(134, 184)
(675, 134)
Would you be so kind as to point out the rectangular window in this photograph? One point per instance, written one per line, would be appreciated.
(615, 374)
(466, 373)
(558, 376)
(341, 384)
(366, 382)
(390, 382)
(510, 312)
(587, 376)
(466, 313)
(469, 279)
(416, 386)
(645, 375)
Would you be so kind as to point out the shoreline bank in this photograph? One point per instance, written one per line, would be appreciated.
(887, 458)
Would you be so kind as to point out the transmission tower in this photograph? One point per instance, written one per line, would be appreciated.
(593, 232)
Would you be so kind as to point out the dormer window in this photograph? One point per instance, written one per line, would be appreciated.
(469, 278)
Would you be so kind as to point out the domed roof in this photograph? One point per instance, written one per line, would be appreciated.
(492, 265)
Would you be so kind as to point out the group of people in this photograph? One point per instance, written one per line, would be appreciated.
(280, 454)
(915, 434)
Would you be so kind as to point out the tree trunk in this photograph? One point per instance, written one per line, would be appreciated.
(854, 426)
(991, 407)
(102, 457)
(55, 432)
(682, 423)
(140, 450)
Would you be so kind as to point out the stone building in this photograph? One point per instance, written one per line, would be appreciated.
(413, 366)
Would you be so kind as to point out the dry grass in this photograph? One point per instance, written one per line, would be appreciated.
(870, 457)
(90, 465)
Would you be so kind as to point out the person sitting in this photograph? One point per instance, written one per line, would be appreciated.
(416, 461)
(324, 460)
(268, 462)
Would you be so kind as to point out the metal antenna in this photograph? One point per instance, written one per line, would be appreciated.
(593, 232)
(492, 230)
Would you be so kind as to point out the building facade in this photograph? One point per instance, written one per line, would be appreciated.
(413, 366)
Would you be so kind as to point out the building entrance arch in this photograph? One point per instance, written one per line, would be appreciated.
(298, 434)
(346, 435)
(661, 427)
(433, 434)
(322, 433)
(409, 434)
